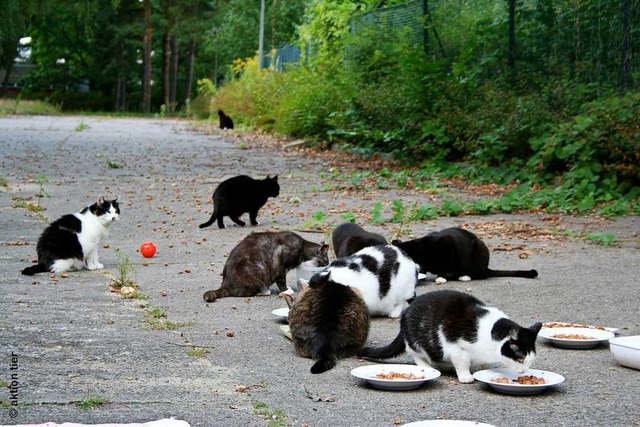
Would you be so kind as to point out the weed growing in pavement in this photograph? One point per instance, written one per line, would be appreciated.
(198, 351)
(91, 401)
(274, 417)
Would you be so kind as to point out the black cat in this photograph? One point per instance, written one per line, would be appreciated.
(349, 238)
(239, 195)
(225, 121)
(454, 253)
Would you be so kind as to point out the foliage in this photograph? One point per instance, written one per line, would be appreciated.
(568, 140)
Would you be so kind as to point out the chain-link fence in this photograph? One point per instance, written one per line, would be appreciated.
(595, 41)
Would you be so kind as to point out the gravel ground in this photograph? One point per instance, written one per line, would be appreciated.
(70, 342)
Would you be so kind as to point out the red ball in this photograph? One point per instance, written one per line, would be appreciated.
(148, 249)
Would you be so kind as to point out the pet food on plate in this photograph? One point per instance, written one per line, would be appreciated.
(572, 337)
(398, 376)
(525, 380)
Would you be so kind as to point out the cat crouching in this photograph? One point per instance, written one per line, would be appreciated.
(455, 254)
(239, 195)
(260, 259)
(348, 238)
(71, 242)
(451, 329)
(328, 321)
(385, 276)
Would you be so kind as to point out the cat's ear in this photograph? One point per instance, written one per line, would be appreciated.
(535, 328)
(289, 299)
(319, 278)
(274, 179)
(513, 334)
(324, 249)
(302, 284)
(116, 199)
(100, 200)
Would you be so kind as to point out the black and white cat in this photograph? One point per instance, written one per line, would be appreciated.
(71, 242)
(447, 328)
(260, 259)
(241, 194)
(327, 320)
(385, 276)
(348, 238)
(455, 254)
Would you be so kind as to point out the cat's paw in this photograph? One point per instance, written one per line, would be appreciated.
(289, 291)
(465, 378)
(464, 278)
(95, 266)
(440, 280)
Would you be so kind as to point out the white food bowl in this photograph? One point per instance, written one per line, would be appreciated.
(626, 350)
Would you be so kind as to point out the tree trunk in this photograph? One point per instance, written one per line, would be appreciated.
(190, 64)
(121, 99)
(166, 61)
(511, 59)
(173, 93)
(7, 70)
(625, 75)
(146, 61)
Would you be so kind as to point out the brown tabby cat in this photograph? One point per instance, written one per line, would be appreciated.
(261, 259)
(328, 321)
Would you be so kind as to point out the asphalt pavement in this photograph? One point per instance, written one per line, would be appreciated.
(73, 351)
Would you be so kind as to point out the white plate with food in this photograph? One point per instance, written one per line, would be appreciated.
(395, 376)
(281, 313)
(577, 325)
(447, 423)
(575, 337)
(509, 381)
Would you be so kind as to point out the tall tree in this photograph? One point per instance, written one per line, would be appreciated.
(146, 57)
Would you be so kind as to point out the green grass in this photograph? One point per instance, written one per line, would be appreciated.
(17, 106)
(91, 401)
(274, 417)
(113, 165)
(82, 126)
(198, 351)
(601, 239)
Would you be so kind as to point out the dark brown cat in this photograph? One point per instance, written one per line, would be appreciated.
(453, 253)
(260, 259)
(349, 238)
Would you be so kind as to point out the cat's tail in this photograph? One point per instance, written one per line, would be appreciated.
(211, 296)
(325, 356)
(36, 268)
(211, 220)
(527, 274)
(394, 349)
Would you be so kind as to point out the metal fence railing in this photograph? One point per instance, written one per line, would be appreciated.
(595, 41)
